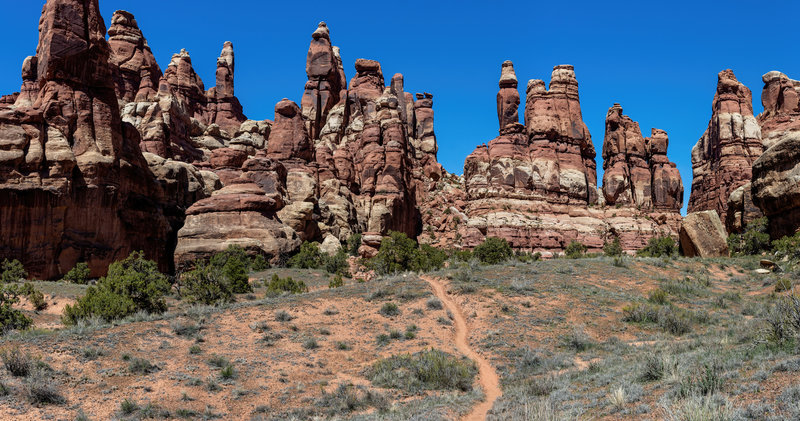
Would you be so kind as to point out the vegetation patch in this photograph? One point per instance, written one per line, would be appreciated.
(427, 370)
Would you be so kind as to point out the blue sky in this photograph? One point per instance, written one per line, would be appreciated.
(658, 59)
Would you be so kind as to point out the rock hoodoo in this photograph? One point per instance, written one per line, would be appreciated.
(722, 160)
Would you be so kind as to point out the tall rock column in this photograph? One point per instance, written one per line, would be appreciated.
(326, 80)
(723, 157)
(666, 179)
(137, 72)
(508, 97)
(626, 176)
(224, 108)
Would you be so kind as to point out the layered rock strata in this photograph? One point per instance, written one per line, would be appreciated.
(723, 157)
(536, 184)
(74, 184)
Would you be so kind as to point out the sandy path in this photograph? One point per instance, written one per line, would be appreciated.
(487, 377)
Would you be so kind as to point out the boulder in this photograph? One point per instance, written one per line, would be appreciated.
(703, 235)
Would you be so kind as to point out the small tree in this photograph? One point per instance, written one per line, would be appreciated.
(575, 250)
(337, 264)
(131, 285)
(206, 284)
(613, 249)
(754, 240)
(428, 258)
(353, 243)
(659, 247)
(280, 285)
(788, 247)
(233, 263)
(396, 254)
(309, 257)
(11, 318)
(12, 271)
(493, 250)
(79, 274)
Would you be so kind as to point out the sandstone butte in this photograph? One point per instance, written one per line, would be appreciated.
(102, 152)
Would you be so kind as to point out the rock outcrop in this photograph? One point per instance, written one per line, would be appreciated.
(722, 160)
(703, 235)
(637, 171)
(74, 185)
(536, 184)
(776, 174)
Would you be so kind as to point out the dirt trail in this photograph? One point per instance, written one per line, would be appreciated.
(487, 376)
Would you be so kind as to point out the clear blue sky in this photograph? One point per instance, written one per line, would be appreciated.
(658, 59)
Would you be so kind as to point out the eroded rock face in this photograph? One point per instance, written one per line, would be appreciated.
(536, 184)
(776, 185)
(74, 185)
(781, 100)
(137, 72)
(637, 171)
(703, 235)
(722, 160)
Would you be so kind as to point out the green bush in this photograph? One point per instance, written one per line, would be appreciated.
(338, 264)
(132, 285)
(336, 282)
(461, 255)
(659, 247)
(754, 240)
(613, 249)
(428, 258)
(281, 285)
(575, 250)
(353, 243)
(783, 285)
(426, 370)
(11, 318)
(79, 274)
(234, 265)
(396, 254)
(493, 250)
(309, 257)
(259, 263)
(389, 309)
(33, 295)
(206, 285)
(12, 271)
(788, 247)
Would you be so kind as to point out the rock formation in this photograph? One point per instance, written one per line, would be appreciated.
(137, 76)
(722, 160)
(703, 235)
(74, 185)
(775, 186)
(637, 172)
(536, 184)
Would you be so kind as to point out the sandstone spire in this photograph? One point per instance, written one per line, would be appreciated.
(508, 97)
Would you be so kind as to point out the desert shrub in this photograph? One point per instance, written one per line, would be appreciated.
(353, 243)
(227, 372)
(754, 240)
(613, 249)
(12, 271)
(788, 247)
(132, 285)
(461, 255)
(348, 398)
(783, 284)
(128, 407)
(783, 321)
(11, 318)
(280, 285)
(310, 343)
(41, 389)
(33, 295)
(658, 296)
(17, 363)
(429, 258)
(309, 257)
(389, 309)
(336, 282)
(577, 340)
(337, 264)
(205, 284)
(575, 250)
(79, 274)
(653, 368)
(659, 247)
(426, 370)
(433, 303)
(493, 250)
(234, 265)
(141, 366)
(670, 319)
(283, 316)
(706, 381)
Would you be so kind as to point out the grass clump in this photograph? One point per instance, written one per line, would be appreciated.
(283, 316)
(671, 319)
(493, 250)
(17, 363)
(426, 370)
(141, 366)
(389, 309)
(41, 389)
(348, 398)
(132, 285)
